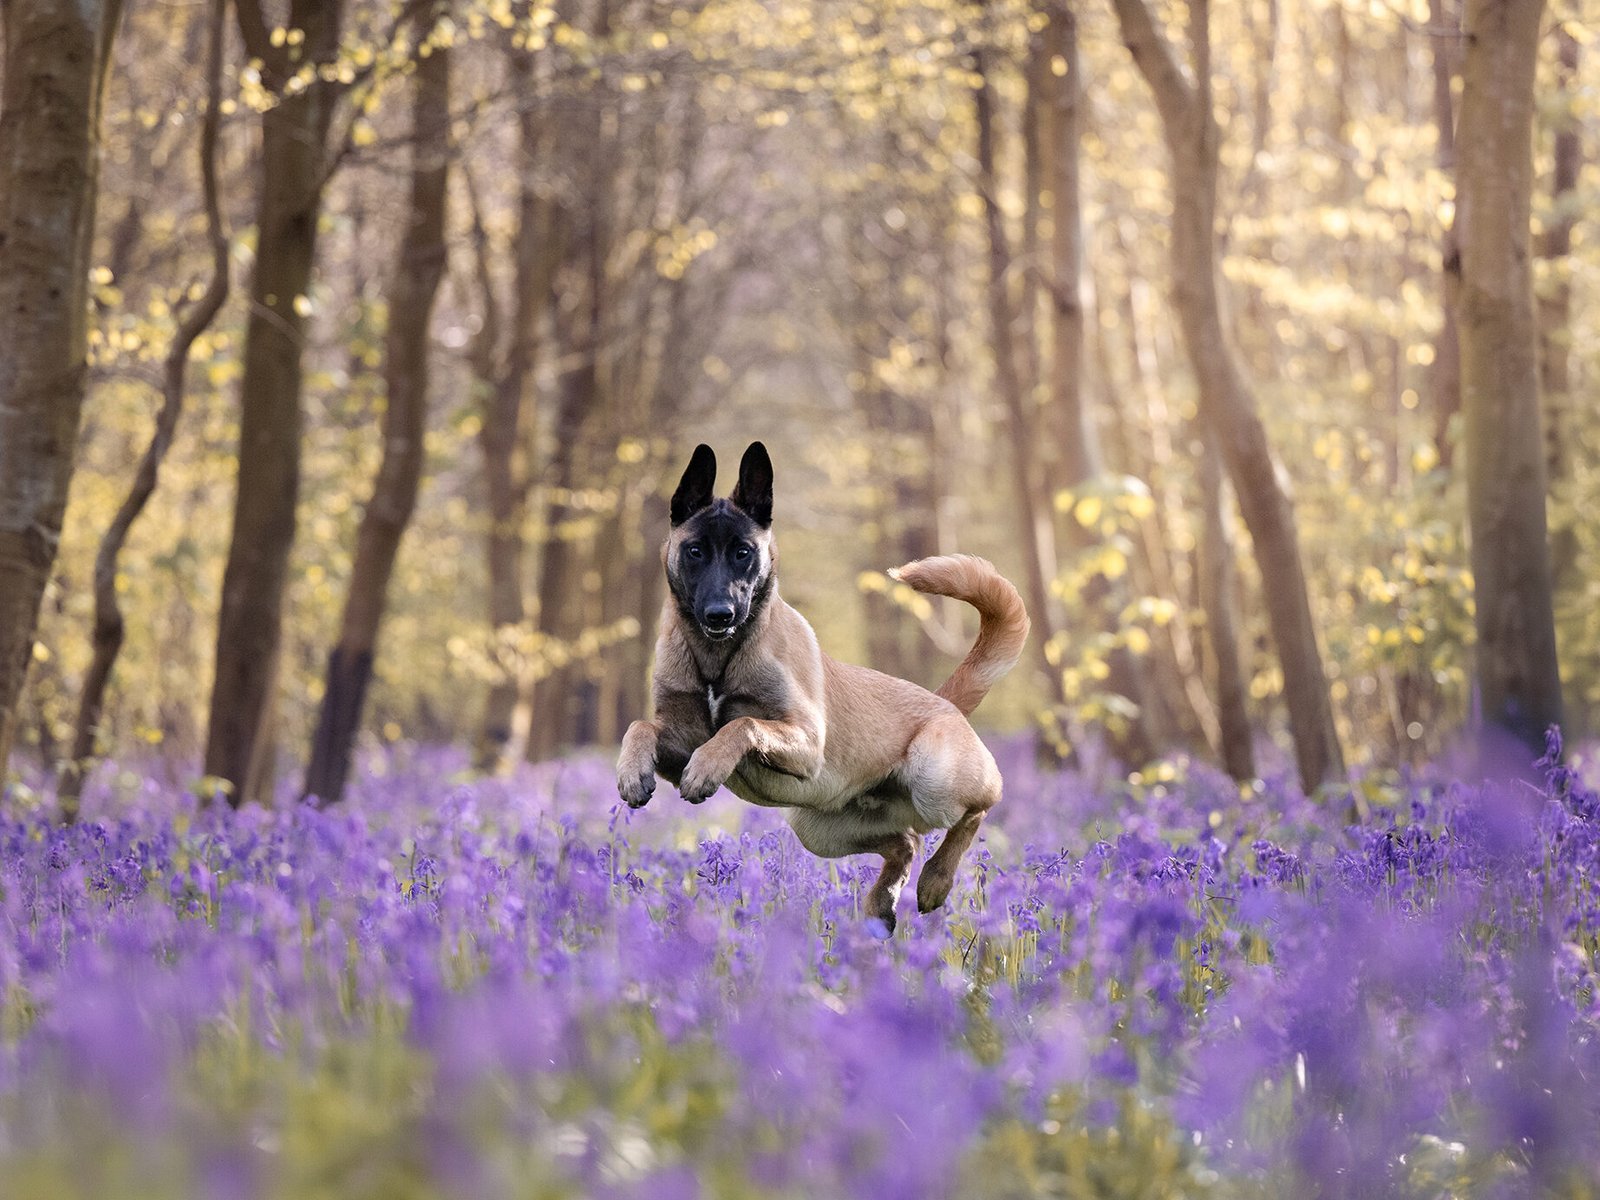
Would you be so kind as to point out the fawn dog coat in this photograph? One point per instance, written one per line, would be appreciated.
(743, 696)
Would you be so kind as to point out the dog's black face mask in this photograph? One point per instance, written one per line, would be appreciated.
(719, 561)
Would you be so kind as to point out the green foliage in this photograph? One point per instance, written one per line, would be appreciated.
(1136, 1156)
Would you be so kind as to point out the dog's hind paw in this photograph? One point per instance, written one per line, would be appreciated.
(932, 890)
(881, 927)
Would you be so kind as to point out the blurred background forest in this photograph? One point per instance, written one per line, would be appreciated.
(982, 279)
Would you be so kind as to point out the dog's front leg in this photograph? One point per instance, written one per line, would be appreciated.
(788, 746)
(636, 765)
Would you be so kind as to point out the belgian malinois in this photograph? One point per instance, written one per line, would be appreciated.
(743, 696)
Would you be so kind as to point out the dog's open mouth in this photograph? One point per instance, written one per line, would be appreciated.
(718, 635)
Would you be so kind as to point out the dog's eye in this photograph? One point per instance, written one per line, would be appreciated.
(695, 551)
(741, 553)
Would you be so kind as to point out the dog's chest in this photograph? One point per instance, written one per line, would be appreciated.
(747, 696)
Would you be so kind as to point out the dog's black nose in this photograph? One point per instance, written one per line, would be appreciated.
(718, 618)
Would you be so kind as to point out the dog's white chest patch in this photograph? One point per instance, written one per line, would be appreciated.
(715, 701)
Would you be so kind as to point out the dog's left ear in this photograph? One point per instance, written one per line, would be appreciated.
(754, 491)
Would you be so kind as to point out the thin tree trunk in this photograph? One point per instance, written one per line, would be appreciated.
(560, 612)
(506, 375)
(1033, 513)
(559, 698)
(1071, 454)
(1226, 403)
(1445, 371)
(109, 626)
(1519, 683)
(394, 494)
(293, 169)
(1555, 313)
(1166, 691)
(55, 53)
(1069, 447)
(1037, 95)
(1217, 585)
(1171, 509)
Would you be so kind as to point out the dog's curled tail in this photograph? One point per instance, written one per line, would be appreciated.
(1002, 630)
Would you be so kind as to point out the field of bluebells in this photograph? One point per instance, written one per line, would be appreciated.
(451, 987)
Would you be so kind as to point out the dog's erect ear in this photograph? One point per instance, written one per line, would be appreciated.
(754, 490)
(695, 488)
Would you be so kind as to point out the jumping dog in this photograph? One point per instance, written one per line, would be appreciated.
(743, 696)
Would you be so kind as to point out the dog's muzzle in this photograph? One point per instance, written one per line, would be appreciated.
(717, 623)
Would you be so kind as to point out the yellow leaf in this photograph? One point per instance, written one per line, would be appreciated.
(871, 581)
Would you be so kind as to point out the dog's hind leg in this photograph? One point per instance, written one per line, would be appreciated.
(839, 835)
(898, 849)
(939, 872)
(953, 782)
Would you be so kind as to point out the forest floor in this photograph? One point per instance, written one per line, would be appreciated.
(486, 988)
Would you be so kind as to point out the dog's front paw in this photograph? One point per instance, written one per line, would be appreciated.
(636, 789)
(699, 780)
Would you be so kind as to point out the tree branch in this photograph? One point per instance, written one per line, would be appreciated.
(1152, 54)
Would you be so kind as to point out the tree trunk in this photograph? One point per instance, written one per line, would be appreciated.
(1171, 572)
(293, 152)
(1445, 371)
(1226, 403)
(560, 612)
(1519, 683)
(1217, 584)
(394, 493)
(1070, 453)
(560, 701)
(109, 626)
(55, 62)
(1555, 316)
(1033, 510)
(506, 375)
(1069, 447)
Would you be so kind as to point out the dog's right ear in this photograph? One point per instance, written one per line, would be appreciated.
(695, 488)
